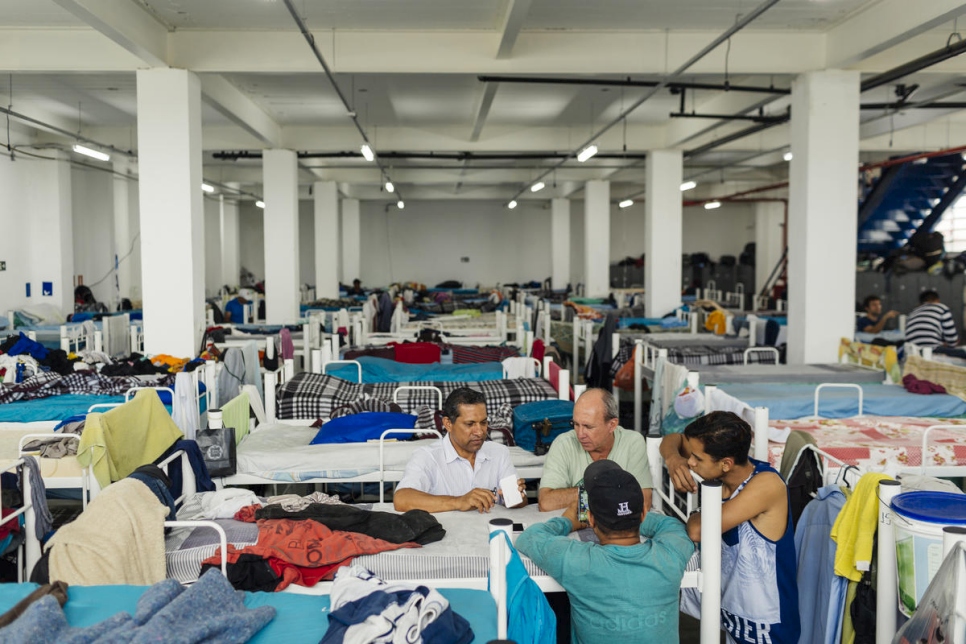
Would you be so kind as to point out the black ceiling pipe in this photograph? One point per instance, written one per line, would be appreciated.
(913, 66)
(437, 156)
(729, 117)
(601, 82)
(914, 106)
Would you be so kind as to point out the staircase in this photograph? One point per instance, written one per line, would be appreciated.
(904, 198)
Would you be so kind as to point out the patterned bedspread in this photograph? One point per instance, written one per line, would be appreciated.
(696, 355)
(310, 395)
(875, 441)
(44, 385)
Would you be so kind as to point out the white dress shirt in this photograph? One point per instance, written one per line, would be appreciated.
(440, 471)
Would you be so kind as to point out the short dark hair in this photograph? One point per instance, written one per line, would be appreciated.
(357, 281)
(461, 396)
(928, 296)
(869, 300)
(724, 435)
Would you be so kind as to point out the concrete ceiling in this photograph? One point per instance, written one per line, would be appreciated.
(410, 71)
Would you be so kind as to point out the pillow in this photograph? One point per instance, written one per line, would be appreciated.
(359, 428)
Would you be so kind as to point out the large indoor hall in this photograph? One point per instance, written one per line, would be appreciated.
(457, 321)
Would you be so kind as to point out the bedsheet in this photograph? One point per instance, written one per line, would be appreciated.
(462, 554)
(299, 618)
(875, 442)
(383, 370)
(770, 373)
(53, 407)
(788, 401)
(282, 453)
(311, 396)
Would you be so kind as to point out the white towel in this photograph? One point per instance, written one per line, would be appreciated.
(184, 407)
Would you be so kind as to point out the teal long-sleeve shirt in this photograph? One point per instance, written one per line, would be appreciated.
(626, 594)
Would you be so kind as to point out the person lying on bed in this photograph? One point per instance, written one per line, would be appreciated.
(463, 470)
(595, 436)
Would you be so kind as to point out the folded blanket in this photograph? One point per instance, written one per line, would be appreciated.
(119, 539)
(208, 611)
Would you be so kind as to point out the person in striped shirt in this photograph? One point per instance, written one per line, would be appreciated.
(931, 324)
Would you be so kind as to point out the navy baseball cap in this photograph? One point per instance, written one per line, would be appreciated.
(614, 496)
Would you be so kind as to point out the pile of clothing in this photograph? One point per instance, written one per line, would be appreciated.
(366, 609)
(304, 543)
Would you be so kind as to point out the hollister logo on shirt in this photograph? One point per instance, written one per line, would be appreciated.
(622, 509)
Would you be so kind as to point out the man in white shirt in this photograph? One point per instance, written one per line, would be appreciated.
(463, 470)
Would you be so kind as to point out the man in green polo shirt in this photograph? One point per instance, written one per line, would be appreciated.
(595, 436)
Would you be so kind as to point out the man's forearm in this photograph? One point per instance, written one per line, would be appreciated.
(671, 446)
(411, 499)
(555, 499)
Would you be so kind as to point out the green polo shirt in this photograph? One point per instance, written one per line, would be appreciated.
(567, 459)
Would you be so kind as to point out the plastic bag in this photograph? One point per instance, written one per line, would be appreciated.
(936, 616)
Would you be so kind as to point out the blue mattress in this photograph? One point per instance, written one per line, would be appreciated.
(52, 408)
(375, 370)
(788, 401)
(299, 618)
(664, 323)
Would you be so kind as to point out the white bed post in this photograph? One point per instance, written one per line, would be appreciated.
(576, 348)
(656, 464)
(64, 340)
(98, 341)
(498, 561)
(761, 434)
(753, 322)
(528, 342)
(563, 385)
(886, 592)
(545, 367)
(694, 320)
(638, 358)
(316, 364)
(589, 339)
(711, 562)
(270, 396)
(289, 366)
(501, 324)
(520, 337)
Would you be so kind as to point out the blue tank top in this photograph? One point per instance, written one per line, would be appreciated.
(759, 591)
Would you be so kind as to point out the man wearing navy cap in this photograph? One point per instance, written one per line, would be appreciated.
(622, 588)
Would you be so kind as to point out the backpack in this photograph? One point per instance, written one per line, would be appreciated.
(929, 246)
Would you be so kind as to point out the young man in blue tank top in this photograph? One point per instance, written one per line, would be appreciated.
(759, 593)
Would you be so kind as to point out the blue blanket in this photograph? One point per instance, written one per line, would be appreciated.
(788, 401)
(299, 619)
(53, 407)
(381, 370)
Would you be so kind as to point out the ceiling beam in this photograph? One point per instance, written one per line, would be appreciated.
(230, 101)
(883, 25)
(483, 110)
(516, 15)
(126, 24)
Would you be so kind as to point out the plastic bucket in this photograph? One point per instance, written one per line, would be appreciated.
(919, 521)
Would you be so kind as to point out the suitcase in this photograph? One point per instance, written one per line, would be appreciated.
(537, 424)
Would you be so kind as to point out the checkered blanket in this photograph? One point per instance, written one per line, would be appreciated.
(695, 355)
(310, 395)
(44, 385)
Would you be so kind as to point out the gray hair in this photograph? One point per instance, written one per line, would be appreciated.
(611, 409)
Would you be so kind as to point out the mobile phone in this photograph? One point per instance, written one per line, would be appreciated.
(582, 504)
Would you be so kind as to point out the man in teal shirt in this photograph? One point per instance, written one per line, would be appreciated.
(623, 589)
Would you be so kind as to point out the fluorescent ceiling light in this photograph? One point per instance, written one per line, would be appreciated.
(390, 187)
(400, 204)
(688, 185)
(538, 186)
(587, 152)
(207, 188)
(787, 156)
(626, 203)
(367, 152)
(260, 204)
(94, 154)
(711, 205)
(512, 204)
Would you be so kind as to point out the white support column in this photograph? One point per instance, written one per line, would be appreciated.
(597, 239)
(123, 239)
(662, 232)
(560, 243)
(351, 252)
(821, 216)
(171, 210)
(326, 239)
(769, 222)
(281, 190)
(230, 241)
(50, 222)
